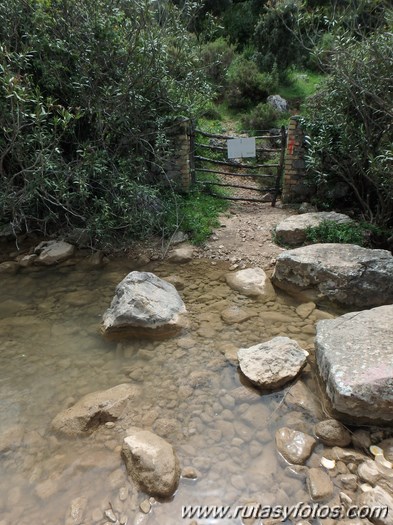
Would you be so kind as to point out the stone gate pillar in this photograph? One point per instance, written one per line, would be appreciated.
(177, 168)
(295, 188)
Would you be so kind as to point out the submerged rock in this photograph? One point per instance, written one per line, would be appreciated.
(144, 306)
(292, 230)
(252, 282)
(299, 396)
(151, 462)
(296, 447)
(372, 472)
(344, 273)
(234, 315)
(354, 354)
(319, 484)
(53, 252)
(332, 433)
(10, 267)
(274, 363)
(11, 438)
(95, 409)
(378, 498)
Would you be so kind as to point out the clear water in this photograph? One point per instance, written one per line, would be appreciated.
(51, 354)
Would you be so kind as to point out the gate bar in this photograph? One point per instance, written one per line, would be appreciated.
(211, 183)
(257, 175)
(216, 136)
(236, 164)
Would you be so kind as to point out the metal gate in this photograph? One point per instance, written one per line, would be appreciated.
(211, 167)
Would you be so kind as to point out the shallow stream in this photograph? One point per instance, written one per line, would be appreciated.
(51, 354)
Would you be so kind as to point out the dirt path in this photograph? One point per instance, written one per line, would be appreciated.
(245, 235)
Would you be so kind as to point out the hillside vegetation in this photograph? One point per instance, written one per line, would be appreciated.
(90, 89)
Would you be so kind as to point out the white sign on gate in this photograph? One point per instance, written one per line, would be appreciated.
(241, 148)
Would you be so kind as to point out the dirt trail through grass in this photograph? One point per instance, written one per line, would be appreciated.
(245, 235)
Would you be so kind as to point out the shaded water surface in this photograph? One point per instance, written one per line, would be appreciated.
(191, 394)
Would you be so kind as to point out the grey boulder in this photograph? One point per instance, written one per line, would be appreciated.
(343, 273)
(95, 409)
(292, 230)
(354, 354)
(151, 462)
(274, 363)
(278, 103)
(144, 306)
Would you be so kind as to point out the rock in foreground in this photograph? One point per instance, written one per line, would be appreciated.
(95, 409)
(144, 306)
(354, 354)
(252, 282)
(292, 230)
(274, 363)
(151, 462)
(344, 273)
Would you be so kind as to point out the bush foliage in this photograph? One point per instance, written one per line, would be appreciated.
(87, 92)
(350, 126)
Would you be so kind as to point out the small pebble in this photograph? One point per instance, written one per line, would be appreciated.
(110, 515)
(145, 506)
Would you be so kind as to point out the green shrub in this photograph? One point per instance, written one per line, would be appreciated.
(247, 85)
(331, 231)
(362, 233)
(349, 127)
(196, 214)
(88, 94)
(275, 39)
(217, 57)
(263, 116)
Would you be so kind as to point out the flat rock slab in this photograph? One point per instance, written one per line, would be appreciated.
(274, 363)
(343, 273)
(95, 409)
(292, 231)
(144, 306)
(354, 354)
(252, 282)
(53, 252)
(234, 314)
(151, 462)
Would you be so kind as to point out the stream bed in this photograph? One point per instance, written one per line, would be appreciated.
(192, 394)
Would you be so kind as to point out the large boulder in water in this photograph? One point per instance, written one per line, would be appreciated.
(95, 409)
(144, 306)
(151, 462)
(354, 354)
(292, 230)
(343, 273)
